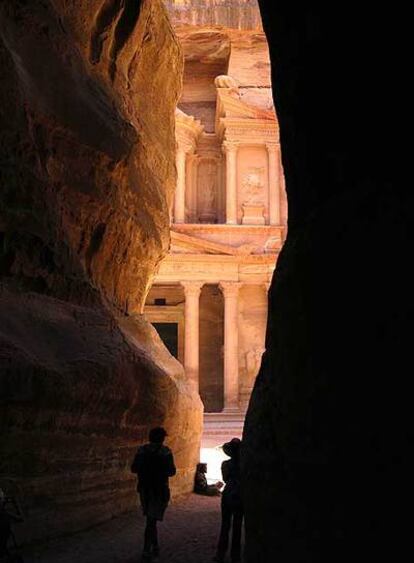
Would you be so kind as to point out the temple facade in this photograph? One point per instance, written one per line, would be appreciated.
(229, 217)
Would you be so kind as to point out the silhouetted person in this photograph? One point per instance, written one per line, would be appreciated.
(153, 464)
(10, 512)
(231, 504)
(201, 487)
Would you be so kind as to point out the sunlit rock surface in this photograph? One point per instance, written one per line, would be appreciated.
(327, 447)
(87, 153)
(236, 14)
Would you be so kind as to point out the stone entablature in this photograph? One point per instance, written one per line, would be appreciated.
(232, 239)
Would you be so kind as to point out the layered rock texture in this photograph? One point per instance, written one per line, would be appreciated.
(327, 438)
(235, 14)
(87, 170)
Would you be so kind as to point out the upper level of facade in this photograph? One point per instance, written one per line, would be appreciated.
(233, 174)
(229, 167)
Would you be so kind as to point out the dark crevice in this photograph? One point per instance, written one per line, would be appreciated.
(123, 30)
(105, 19)
(95, 244)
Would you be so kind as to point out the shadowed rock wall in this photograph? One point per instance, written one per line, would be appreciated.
(87, 173)
(327, 437)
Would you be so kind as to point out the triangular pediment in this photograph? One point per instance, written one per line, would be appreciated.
(189, 244)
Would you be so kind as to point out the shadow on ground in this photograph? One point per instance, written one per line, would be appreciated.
(187, 535)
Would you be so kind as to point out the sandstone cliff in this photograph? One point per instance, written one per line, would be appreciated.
(87, 155)
(236, 14)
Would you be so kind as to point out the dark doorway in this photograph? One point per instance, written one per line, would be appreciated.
(169, 335)
(211, 348)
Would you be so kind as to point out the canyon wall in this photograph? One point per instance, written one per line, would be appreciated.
(327, 449)
(236, 14)
(87, 173)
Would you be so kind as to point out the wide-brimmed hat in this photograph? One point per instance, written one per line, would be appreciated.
(232, 447)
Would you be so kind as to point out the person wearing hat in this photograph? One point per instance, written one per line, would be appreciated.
(231, 504)
(153, 464)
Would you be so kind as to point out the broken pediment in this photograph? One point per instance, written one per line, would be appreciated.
(230, 105)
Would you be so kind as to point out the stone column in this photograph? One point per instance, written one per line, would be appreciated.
(191, 185)
(273, 150)
(231, 346)
(230, 150)
(179, 201)
(191, 331)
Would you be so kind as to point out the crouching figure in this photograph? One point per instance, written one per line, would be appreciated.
(201, 487)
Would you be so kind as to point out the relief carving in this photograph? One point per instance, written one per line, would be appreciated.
(253, 191)
(253, 185)
(253, 358)
(207, 188)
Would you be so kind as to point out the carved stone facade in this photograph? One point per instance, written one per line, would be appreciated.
(229, 217)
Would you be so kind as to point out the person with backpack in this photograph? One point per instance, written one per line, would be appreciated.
(153, 464)
(231, 504)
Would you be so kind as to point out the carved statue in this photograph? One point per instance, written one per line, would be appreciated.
(207, 184)
(253, 359)
(253, 185)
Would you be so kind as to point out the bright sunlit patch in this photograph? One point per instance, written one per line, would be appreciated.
(214, 457)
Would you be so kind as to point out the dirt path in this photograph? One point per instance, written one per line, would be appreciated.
(187, 535)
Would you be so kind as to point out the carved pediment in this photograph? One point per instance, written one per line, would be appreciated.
(189, 244)
(187, 130)
(229, 105)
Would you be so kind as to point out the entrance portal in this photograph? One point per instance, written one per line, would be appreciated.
(211, 348)
(169, 335)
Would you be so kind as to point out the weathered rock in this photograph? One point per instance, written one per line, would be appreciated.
(87, 152)
(236, 14)
(96, 129)
(327, 438)
(78, 396)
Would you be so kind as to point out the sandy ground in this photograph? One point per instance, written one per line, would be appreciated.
(188, 534)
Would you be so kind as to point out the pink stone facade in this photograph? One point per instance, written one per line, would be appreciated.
(229, 216)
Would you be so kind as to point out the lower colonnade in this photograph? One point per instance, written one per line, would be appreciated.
(237, 359)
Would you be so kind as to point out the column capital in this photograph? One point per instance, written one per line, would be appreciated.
(230, 146)
(230, 288)
(192, 288)
(184, 147)
(193, 157)
(272, 145)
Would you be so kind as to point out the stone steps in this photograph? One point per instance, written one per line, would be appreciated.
(221, 427)
(218, 429)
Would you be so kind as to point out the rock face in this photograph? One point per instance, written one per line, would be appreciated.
(236, 14)
(326, 441)
(87, 153)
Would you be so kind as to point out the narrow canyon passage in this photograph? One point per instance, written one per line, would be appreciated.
(204, 221)
(187, 535)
